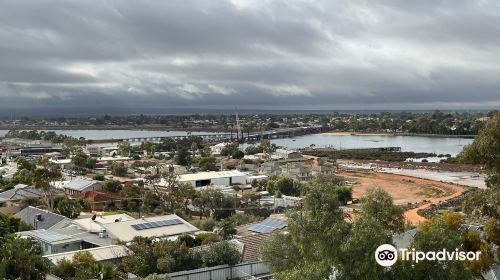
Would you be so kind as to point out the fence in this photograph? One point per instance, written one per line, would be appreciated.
(222, 272)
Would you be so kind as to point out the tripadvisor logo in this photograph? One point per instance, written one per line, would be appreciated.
(387, 255)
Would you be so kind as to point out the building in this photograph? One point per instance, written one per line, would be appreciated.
(167, 226)
(78, 186)
(21, 191)
(111, 253)
(103, 231)
(99, 200)
(53, 242)
(41, 219)
(270, 168)
(298, 171)
(94, 224)
(216, 178)
(217, 149)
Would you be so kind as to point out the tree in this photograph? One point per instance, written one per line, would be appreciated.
(22, 259)
(238, 155)
(118, 169)
(267, 147)
(83, 161)
(208, 164)
(70, 208)
(149, 147)
(8, 225)
(226, 229)
(83, 266)
(378, 204)
(221, 253)
(485, 150)
(230, 149)
(45, 179)
(161, 256)
(437, 236)
(124, 149)
(112, 186)
(182, 154)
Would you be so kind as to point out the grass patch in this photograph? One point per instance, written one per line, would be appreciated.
(429, 191)
(362, 175)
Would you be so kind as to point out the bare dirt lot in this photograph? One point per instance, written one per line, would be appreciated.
(403, 190)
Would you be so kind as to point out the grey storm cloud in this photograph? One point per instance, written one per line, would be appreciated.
(256, 54)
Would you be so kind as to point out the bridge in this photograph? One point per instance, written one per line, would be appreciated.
(223, 137)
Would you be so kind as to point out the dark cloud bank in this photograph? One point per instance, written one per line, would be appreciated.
(100, 56)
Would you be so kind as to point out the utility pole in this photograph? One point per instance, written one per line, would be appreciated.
(238, 127)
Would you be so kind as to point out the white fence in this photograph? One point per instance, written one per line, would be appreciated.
(222, 272)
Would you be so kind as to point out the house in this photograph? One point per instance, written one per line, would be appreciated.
(298, 171)
(270, 168)
(77, 186)
(21, 191)
(53, 242)
(111, 253)
(99, 200)
(272, 224)
(94, 224)
(41, 219)
(325, 169)
(251, 246)
(217, 149)
(167, 226)
(250, 179)
(218, 178)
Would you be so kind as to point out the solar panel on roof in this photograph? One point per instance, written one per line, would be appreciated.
(267, 226)
(157, 224)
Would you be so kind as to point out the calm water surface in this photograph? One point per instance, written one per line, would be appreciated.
(436, 145)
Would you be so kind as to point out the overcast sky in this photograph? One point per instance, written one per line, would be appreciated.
(275, 54)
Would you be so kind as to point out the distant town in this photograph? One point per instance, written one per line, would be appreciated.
(229, 200)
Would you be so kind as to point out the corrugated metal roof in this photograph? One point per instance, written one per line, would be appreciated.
(48, 219)
(100, 253)
(210, 175)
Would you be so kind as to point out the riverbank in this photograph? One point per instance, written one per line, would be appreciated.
(459, 176)
(348, 133)
(116, 127)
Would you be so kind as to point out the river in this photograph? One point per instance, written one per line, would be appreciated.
(438, 145)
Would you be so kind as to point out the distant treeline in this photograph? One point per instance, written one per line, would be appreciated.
(370, 155)
(38, 135)
(437, 122)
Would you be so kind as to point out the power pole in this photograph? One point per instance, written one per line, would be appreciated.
(238, 127)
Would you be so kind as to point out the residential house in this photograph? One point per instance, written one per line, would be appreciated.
(99, 200)
(41, 219)
(111, 253)
(270, 168)
(298, 171)
(53, 242)
(167, 226)
(78, 186)
(10, 199)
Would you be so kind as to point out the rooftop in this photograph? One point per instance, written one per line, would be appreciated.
(161, 226)
(100, 253)
(210, 175)
(80, 184)
(96, 225)
(47, 219)
(49, 236)
(23, 192)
